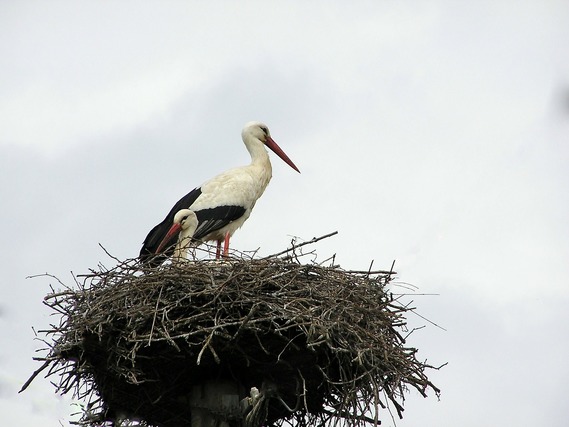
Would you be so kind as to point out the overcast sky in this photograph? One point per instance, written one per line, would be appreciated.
(433, 133)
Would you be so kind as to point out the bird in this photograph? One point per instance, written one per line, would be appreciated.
(223, 203)
(184, 226)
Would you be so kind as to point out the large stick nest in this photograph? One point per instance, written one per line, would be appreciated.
(322, 344)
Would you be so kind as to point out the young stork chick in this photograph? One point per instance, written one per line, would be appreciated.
(223, 203)
(184, 226)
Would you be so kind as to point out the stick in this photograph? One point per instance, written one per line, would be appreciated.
(293, 247)
(35, 374)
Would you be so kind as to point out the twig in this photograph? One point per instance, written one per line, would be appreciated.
(108, 254)
(294, 246)
(35, 374)
(154, 317)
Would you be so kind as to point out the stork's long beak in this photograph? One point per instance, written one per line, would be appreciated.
(172, 233)
(279, 152)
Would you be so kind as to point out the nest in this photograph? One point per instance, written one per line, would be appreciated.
(305, 344)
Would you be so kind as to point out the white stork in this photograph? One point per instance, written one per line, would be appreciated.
(184, 226)
(223, 203)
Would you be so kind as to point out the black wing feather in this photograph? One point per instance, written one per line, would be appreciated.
(210, 220)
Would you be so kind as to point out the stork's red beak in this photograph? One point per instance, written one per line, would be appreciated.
(279, 152)
(172, 233)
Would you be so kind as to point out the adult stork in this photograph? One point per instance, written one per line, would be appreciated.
(223, 203)
(184, 226)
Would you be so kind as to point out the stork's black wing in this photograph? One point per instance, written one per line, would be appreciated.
(210, 220)
(153, 239)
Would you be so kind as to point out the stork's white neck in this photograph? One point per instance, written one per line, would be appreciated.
(260, 166)
(258, 152)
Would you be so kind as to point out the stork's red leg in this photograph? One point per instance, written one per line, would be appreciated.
(226, 245)
(218, 251)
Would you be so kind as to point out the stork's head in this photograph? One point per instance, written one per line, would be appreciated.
(256, 130)
(260, 132)
(184, 220)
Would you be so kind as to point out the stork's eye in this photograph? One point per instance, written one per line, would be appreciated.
(265, 130)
